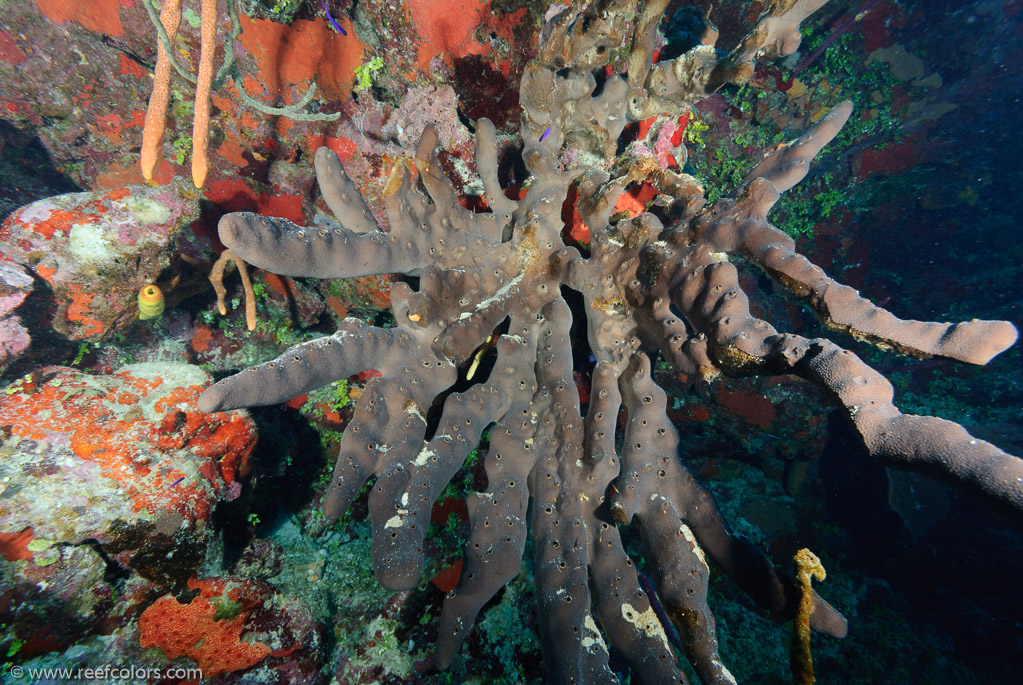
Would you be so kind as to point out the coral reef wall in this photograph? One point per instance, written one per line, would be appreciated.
(189, 532)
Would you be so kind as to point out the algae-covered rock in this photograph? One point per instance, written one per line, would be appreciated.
(98, 249)
(106, 478)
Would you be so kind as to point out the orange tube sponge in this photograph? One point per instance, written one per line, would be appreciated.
(201, 122)
(156, 113)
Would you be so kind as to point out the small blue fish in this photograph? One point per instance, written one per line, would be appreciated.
(545, 133)
(177, 481)
(337, 26)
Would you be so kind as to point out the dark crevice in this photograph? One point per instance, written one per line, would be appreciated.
(583, 359)
(480, 363)
(466, 121)
(114, 572)
(27, 170)
(600, 75)
(690, 329)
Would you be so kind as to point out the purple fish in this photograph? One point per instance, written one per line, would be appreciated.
(545, 133)
(177, 481)
(333, 23)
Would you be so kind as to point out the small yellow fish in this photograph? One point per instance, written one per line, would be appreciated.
(479, 355)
